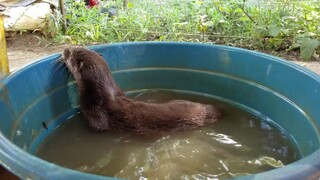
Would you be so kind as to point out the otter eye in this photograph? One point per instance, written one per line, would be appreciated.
(100, 54)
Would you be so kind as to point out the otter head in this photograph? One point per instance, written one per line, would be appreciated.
(90, 70)
(78, 59)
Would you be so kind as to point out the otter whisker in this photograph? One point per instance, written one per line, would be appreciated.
(66, 68)
(58, 65)
(60, 59)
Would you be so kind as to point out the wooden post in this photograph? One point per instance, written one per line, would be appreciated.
(125, 4)
(4, 65)
(62, 10)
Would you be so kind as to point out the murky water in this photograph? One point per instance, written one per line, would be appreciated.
(237, 145)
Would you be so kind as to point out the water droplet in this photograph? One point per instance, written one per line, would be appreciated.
(18, 133)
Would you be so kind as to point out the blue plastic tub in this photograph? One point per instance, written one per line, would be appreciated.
(262, 84)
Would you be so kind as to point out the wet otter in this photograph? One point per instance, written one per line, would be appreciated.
(104, 105)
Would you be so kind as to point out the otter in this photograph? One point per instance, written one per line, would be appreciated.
(105, 107)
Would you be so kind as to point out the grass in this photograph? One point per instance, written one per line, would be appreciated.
(276, 25)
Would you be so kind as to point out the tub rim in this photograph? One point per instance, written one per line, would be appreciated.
(309, 165)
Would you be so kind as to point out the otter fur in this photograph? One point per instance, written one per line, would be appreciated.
(105, 106)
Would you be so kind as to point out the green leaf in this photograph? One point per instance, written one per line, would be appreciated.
(284, 13)
(222, 21)
(289, 17)
(307, 7)
(130, 5)
(238, 10)
(208, 23)
(261, 31)
(307, 47)
(274, 31)
(244, 18)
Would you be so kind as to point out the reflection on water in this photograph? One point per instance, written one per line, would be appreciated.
(239, 144)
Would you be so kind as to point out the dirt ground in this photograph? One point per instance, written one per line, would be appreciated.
(25, 49)
(28, 48)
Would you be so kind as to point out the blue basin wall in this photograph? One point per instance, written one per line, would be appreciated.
(44, 93)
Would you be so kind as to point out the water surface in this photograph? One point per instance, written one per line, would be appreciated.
(239, 144)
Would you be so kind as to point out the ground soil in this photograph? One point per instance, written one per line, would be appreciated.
(26, 48)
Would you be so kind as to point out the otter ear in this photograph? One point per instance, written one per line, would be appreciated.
(80, 65)
(77, 69)
(100, 54)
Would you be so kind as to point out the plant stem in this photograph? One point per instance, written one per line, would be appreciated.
(243, 10)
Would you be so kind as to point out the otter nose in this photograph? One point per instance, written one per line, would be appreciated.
(66, 53)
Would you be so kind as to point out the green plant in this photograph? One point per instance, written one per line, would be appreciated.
(277, 25)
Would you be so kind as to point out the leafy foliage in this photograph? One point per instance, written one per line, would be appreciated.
(283, 25)
(307, 47)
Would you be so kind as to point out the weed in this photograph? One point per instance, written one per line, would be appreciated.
(280, 25)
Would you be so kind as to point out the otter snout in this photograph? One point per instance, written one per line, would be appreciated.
(66, 53)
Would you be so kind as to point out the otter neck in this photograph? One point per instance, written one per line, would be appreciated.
(95, 85)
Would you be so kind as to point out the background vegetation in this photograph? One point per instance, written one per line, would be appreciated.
(276, 25)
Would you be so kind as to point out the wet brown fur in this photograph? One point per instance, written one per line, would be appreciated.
(105, 107)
